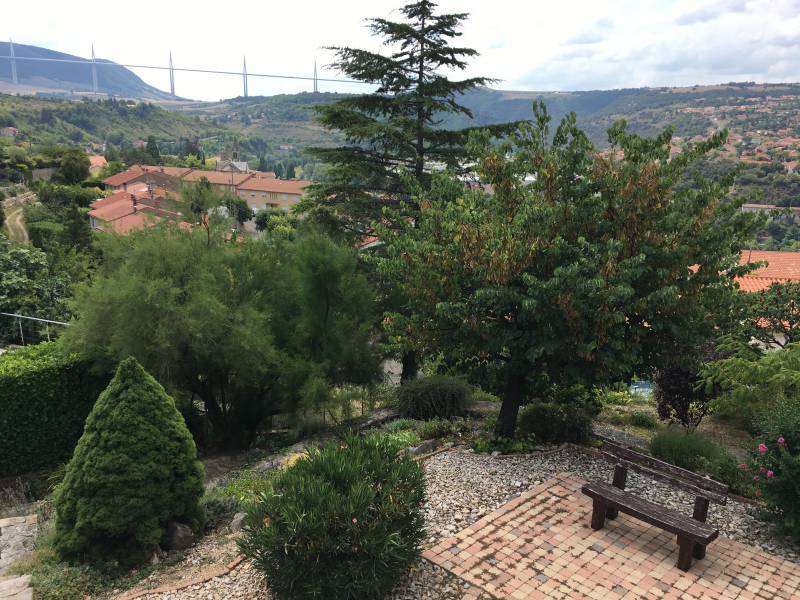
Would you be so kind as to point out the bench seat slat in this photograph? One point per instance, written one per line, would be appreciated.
(652, 513)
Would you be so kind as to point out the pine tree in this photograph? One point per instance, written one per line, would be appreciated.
(134, 469)
(152, 150)
(77, 233)
(397, 128)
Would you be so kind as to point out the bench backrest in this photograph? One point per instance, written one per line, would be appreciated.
(699, 485)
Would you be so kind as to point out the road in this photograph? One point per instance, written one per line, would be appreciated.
(15, 216)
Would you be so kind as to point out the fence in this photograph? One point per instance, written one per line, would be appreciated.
(38, 336)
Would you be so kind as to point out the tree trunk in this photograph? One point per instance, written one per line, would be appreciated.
(410, 367)
(512, 399)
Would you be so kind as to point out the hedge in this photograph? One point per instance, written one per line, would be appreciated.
(44, 400)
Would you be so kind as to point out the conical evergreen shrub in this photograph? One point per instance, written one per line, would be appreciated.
(134, 469)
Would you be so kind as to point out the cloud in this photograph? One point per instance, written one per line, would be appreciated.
(703, 15)
(587, 37)
(757, 40)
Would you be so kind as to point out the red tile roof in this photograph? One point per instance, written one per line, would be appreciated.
(128, 223)
(121, 205)
(97, 161)
(171, 171)
(218, 177)
(278, 186)
(782, 266)
(124, 177)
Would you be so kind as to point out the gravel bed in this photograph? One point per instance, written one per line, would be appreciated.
(619, 436)
(464, 486)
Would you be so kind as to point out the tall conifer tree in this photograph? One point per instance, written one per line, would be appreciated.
(397, 130)
(398, 127)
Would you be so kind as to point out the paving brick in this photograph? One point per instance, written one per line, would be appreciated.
(540, 545)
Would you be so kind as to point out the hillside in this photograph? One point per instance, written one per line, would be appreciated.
(60, 77)
(770, 110)
(55, 121)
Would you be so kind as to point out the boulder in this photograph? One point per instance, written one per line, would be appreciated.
(237, 522)
(179, 536)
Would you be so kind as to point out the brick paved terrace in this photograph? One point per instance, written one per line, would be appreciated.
(540, 545)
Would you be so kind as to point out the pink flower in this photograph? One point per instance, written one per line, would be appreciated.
(781, 440)
(762, 448)
(755, 478)
(743, 466)
(355, 520)
(770, 473)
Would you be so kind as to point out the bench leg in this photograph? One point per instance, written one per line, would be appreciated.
(685, 549)
(598, 514)
(620, 478)
(699, 551)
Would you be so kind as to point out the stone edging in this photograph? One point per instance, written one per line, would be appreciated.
(200, 579)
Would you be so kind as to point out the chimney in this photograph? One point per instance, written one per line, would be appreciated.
(125, 187)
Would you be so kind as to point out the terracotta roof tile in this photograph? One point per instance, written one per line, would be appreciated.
(218, 177)
(782, 266)
(278, 186)
(124, 177)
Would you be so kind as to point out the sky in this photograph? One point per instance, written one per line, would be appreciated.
(527, 45)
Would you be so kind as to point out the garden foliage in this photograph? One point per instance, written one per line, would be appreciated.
(345, 522)
(437, 396)
(134, 470)
(775, 463)
(578, 267)
(45, 397)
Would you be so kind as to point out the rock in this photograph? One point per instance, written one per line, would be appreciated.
(495, 453)
(179, 536)
(16, 588)
(425, 447)
(237, 522)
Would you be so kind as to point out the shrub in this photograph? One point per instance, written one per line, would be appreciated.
(479, 395)
(490, 443)
(134, 469)
(692, 451)
(342, 523)
(437, 396)
(564, 416)
(679, 399)
(639, 418)
(775, 463)
(400, 425)
(685, 449)
(614, 397)
(437, 428)
(45, 399)
(44, 234)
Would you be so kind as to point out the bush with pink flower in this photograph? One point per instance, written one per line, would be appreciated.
(775, 464)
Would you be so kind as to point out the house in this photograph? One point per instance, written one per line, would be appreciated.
(9, 132)
(139, 207)
(120, 181)
(782, 266)
(221, 180)
(96, 163)
(156, 175)
(271, 193)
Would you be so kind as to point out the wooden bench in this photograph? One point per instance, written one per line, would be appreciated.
(694, 534)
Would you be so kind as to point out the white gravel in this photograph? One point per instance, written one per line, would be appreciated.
(463, 486)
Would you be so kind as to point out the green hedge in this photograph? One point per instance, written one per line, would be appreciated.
(434, 397)
(44, 400)
(44, 233)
